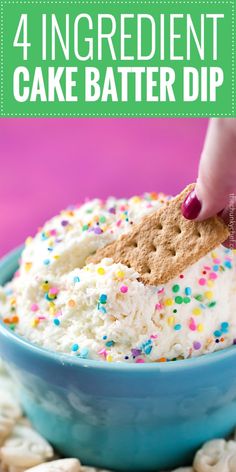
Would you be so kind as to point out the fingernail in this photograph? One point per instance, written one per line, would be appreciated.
(191, 206)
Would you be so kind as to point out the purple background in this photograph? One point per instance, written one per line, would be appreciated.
(46, 164)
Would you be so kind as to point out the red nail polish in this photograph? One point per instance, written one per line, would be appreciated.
(191, 206)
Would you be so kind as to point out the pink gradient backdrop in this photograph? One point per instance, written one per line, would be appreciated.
(46, 164)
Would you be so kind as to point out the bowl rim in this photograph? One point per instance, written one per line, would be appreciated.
(66, 359)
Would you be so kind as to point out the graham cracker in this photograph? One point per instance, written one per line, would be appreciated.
(164, 243)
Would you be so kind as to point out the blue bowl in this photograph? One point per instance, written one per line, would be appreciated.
(124, 417)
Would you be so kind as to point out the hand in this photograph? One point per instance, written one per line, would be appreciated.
(215, 190)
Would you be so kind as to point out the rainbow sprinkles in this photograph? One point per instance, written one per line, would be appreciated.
(102, 311)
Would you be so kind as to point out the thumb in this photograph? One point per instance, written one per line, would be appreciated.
(217, 172)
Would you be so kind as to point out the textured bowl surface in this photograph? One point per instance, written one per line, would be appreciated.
(125, 417)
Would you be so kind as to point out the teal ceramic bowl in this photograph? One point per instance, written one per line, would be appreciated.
(125, 417)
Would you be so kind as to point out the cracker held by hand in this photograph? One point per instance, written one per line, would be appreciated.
(164, 243)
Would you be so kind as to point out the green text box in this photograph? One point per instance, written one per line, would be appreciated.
(135, 106)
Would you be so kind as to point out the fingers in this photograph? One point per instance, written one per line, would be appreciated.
(217, 172)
